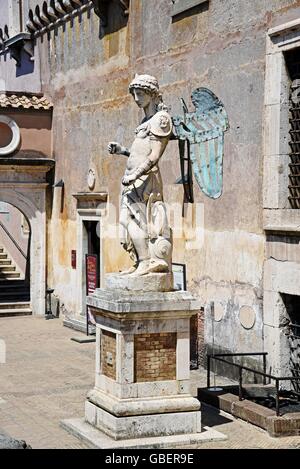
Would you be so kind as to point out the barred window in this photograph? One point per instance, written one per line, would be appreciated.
(293, 65)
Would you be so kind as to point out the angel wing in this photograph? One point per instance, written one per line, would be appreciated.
(204, 131)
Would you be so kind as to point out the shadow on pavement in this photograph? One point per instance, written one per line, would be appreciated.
(211, 417)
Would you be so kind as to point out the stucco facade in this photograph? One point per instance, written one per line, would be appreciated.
(85, 70)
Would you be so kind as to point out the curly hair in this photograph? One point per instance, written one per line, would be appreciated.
(150, 85)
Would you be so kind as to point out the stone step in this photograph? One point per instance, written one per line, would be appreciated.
(13, 284)
(23, 305)
(7, 268)
(8, 312)
(15, 297)
(4, 274)
(5, 262)
(14, 290)
(3, 255)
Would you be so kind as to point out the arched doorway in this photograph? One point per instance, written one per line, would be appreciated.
(31, 201)
(15, 235)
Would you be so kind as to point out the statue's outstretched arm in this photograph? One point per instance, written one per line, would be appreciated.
(117, 149)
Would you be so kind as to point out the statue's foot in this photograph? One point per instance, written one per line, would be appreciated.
(157, 267)
(129, 271)
(142, 269)
(151, 267)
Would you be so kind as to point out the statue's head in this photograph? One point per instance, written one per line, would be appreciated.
(145, 82)
(145, 88)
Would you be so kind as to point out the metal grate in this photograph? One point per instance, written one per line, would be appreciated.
(293, 64)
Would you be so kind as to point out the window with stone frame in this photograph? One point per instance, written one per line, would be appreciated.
(281, 175)
(181, 6)
(292, 59)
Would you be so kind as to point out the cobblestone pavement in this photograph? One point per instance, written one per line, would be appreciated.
(46, 377)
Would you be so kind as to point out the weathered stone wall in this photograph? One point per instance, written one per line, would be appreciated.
(25, 78)
(86, 73)
(4, 14)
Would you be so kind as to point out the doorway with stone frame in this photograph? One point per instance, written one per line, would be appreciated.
(90, 207)
(23, 184)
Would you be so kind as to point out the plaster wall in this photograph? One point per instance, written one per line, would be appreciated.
(35, 129)
(26, 77)
(4, 14)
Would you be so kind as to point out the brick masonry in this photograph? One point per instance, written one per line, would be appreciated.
(155, 356)
(108, 354)
(197, 343)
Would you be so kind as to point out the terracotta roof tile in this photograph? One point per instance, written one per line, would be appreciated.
(24, 101)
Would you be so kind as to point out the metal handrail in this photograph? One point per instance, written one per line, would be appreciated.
(294, 325)
(13, 240)
(265, 375)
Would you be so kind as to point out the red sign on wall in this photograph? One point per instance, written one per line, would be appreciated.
(73, 259)
(91, 262)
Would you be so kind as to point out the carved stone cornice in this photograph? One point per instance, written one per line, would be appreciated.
(54, 12)
(91, 196)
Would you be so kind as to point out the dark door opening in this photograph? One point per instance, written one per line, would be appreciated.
(91, 245)
(292, 330)
(93, 242)
(93, 238)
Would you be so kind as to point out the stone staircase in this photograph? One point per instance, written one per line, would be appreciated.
(7, 269)
(14, 292)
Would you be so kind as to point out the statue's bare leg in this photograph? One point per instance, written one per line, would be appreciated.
(126, 242)
(140, 240)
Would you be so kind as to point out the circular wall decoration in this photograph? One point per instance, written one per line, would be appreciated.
(247, 317)
(16, 136)
(219, 312)
(91, 179)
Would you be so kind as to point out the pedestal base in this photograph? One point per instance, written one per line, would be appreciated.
(142, 426)
(142, 375)
(143, 406)
(97, 439)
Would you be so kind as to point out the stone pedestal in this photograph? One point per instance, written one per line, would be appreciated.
(142, 380)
